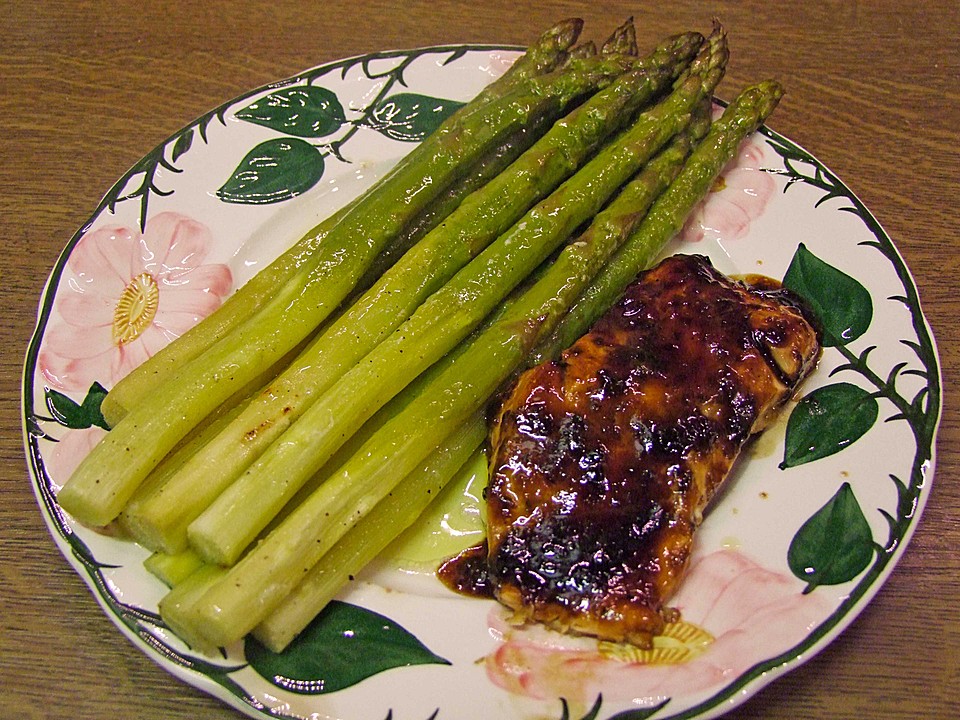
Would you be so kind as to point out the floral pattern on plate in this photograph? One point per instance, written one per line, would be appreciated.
(129, 294)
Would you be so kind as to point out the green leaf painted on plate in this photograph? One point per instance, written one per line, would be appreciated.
(826, 421)
(182, 145)
(274, 171)
(78, 416)
(834, 545)
(410, 117)
(840, 301)
(342, 646)
(306, 111)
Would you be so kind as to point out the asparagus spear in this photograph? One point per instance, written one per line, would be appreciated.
(488, 168)
(372, 534)
(478, 220)
(109, 475)
(667, 216)
(445, 318)
(173, 569)
(548, 51)
(450, 392)
(178, 608)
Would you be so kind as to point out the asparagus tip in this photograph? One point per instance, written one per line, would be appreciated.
(623, 41)
(583, 50)
(567, 31)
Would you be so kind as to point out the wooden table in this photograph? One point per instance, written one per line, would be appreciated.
(88, 88)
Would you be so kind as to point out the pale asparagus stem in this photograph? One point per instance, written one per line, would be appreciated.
(148, 534)
(110, 474)
(152, 516)
(399, 510)
(542, 56)
(173, 569)
(178, 607)
(458, 386)
(189, 577)
(666, 217)
(166, 532)
(222, 532)
(172, 566)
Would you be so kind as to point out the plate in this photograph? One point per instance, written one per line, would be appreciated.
(810, 525)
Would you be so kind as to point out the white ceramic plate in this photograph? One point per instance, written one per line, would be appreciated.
(811, 524)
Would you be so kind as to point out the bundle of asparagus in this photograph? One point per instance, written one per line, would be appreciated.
(275, 449)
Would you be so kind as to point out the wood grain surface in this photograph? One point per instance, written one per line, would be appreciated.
(88, 88)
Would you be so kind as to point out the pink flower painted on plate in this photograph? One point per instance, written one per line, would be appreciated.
(739, 196)
(126, 295)
(752, 614)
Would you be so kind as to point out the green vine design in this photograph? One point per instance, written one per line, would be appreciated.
(922, 411)
(142, 178)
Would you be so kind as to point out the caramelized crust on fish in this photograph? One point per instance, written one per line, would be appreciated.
(603, 461)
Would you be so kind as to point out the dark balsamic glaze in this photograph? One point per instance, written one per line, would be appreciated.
(468, 573)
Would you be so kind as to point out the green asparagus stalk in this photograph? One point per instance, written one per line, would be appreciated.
(545, 54)
(667, 216)
(481, 218)
(178, 608)
(488, 168)
(109, 475)
(173, 569)
(222, 532)
(675, 51)
(371, 536)
(453, 390)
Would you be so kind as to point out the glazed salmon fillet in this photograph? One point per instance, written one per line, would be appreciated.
(604, 460)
